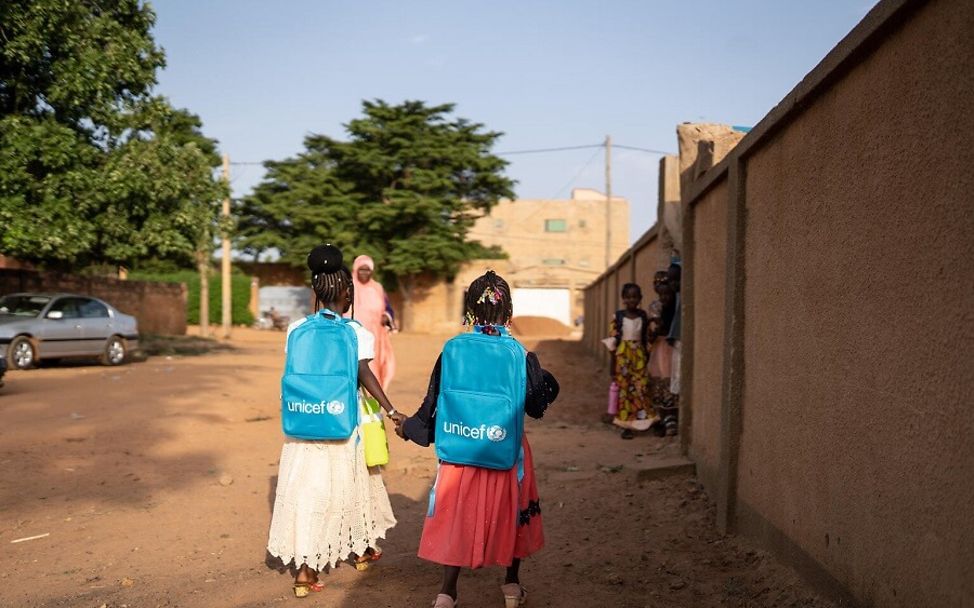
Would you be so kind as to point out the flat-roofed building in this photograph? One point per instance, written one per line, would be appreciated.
(556, 247)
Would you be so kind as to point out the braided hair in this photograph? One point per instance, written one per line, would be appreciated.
(330, 278)
(488, 301)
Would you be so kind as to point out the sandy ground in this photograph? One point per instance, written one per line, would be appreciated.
(154, 482)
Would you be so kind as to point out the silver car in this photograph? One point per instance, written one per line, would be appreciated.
(35, 326)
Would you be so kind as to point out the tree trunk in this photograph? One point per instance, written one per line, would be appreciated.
(202, 264)
(406, 316)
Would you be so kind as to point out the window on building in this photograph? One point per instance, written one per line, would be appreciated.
(583, 262)
(553, 262)
(555, 226)
(582, 223)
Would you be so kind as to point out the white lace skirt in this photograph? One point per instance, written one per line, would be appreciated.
(329, 505)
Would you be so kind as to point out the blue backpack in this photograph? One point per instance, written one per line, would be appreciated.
(480, 408)
(319, 389)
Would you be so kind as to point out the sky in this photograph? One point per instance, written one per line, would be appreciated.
(263, 75)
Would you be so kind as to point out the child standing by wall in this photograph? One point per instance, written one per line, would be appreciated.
(661, 357)
(329, 506)
(482, 516)
(629, 339)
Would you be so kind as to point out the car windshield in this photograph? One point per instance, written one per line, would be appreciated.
(23, 306)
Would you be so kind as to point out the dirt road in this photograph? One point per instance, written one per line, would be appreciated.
(152, 484)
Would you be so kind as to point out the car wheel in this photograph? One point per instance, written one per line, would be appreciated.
(115, 351)
(21, 353)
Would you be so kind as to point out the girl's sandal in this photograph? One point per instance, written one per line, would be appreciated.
(371, 555)
(445, 601)
(514, 595)
(304, 589)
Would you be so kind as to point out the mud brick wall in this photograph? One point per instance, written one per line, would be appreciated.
(159, 307)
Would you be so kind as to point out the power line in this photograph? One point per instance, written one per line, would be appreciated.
(577, 175)
(648, 150)
(540, 150)
(530, 151)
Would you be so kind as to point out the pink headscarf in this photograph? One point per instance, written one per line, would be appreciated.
(370, 306)
(370, 298)
(362, 260)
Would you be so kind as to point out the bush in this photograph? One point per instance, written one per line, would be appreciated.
(239, 290)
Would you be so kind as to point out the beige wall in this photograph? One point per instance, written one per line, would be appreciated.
(707, 282)
(647, 262)
(832, 384)
(160, 308)
(829, 331)
(857, 436)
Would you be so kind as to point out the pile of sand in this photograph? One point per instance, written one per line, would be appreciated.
(539, 326)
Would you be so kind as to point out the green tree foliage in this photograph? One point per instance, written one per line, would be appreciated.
(93, 169)
(406, 187)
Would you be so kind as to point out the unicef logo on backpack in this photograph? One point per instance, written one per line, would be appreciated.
(335, 408)
(496, 433)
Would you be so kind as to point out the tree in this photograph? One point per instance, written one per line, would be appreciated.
(406, 187)
(93, 169)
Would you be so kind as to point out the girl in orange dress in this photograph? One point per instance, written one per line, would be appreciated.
(483, 517)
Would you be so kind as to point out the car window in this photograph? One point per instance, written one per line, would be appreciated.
(93, 309)
(68, 306)
(23, 306)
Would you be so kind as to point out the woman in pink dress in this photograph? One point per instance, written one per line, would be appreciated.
(370, 311)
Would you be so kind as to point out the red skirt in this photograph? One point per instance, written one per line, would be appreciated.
(482, 517)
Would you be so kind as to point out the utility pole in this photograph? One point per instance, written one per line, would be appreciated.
(225, 289)
(608, 201)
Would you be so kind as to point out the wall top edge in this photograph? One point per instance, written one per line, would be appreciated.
(858, 43)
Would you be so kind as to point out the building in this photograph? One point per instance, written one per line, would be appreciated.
(555, 248)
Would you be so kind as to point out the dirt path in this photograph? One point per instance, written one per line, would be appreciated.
(154, 483)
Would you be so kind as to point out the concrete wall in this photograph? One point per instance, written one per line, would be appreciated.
(842, 230)
(159, 307)
(647, 261)
(858, 301)
(277, 273)
(705, 285)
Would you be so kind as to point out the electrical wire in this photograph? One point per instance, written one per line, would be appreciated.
(529, 151)
(648, 150)
(540, 150)
(577, 175)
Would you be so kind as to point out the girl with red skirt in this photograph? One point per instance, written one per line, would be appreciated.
(483, 517)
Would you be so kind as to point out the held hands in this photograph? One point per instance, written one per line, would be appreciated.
(398, 419)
